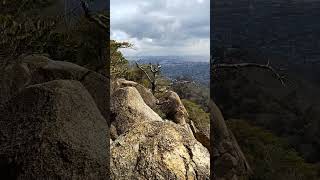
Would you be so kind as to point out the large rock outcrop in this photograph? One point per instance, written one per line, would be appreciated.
(147, 147)
(145, 93)
(201, 133)
(35, 69)
(128, 108)
(174, 109)
(52, 126)
(228, 160)
(53, 130)
(158, 150)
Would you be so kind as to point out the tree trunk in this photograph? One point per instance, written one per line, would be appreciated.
(153, 87)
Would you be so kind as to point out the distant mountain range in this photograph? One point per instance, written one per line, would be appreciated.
(195, 67)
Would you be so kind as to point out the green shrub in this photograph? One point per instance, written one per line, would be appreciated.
(26, 30)
(197, 114)
(195, 92)
(270, 157)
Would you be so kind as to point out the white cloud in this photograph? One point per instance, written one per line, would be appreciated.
(162, 27)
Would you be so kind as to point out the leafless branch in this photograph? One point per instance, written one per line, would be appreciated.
(242, 65)
(145, 72)
(154, 70)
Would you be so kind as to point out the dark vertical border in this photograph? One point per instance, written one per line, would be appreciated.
(108, 60)
(211, 89)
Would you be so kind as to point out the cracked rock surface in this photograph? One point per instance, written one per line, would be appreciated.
(159, 150)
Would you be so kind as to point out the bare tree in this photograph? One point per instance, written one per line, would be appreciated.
(155, 70)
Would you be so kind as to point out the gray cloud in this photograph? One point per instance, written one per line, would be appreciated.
(162, 27)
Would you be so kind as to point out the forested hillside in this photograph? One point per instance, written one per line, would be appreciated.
(284, 35)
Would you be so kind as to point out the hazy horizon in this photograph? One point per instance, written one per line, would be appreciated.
(182, 57)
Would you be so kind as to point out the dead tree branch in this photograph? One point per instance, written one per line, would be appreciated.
(242, 65)
(154, 70)
(144, 71)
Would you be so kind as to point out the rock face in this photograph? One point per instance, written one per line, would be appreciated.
(173, 107)
(53, 130)
(35, 69)
(228, 160)
(128, 108)
(52, 125)
(158, 150)
(148, 147)
(202, 134)
(145, 93)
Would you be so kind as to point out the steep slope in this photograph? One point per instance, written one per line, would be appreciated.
(228, 160)
(291, 112)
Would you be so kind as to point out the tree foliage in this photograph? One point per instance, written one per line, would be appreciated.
(20, 8)
(195, 92)
(29, 36)
(118, 64)
(29, 32)
(21, 31)
(270, 156)
(197, 114)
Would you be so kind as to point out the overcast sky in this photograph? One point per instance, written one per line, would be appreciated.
(162, 27)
